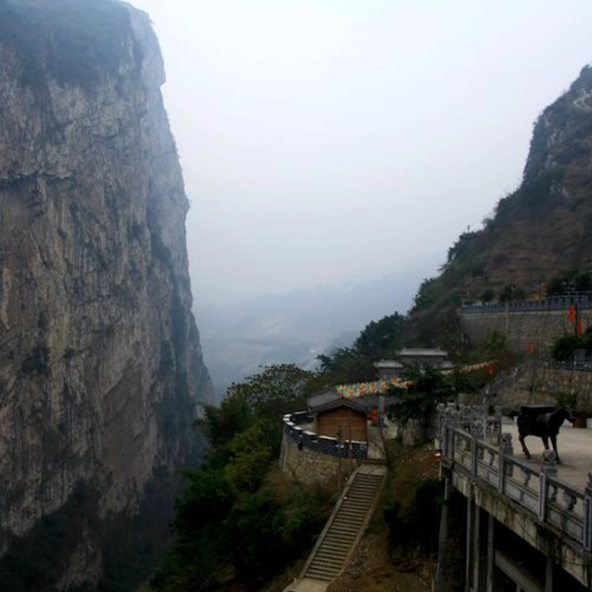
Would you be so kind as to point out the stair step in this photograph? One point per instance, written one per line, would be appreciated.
(327, 559)
(320, 576)
(337, 558)
(353, 516)
(357, 500)
(348, 523)
(344, 528)
(337, 538)
(348, 510)
(325, 567)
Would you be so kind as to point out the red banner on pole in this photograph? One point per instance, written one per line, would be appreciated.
(572, 313)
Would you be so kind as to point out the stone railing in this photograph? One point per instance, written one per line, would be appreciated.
(583, 301)
(468, 445)
(581, 364)
(353, 449)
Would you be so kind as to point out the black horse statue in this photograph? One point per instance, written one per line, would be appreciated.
(543, 425)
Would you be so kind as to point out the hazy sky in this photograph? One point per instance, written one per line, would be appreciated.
(321, 139)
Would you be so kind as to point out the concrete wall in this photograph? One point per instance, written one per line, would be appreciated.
(522, 327)
(308, 466)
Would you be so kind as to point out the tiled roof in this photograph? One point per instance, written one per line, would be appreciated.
(388, 364)
(421, 352)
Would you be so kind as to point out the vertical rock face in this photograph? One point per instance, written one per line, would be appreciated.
(100, 363)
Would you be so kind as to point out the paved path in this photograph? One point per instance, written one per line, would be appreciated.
(575, 449)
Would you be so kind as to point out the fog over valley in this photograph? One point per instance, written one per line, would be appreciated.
(324, 140)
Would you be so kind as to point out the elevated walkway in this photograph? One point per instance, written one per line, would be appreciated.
(343, 530)
(531, 509)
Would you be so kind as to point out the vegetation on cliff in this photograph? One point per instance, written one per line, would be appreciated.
(564, 347)
(240, 520)
(379, 339)
(541, 231)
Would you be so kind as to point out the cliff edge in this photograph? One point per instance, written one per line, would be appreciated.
(100, 361)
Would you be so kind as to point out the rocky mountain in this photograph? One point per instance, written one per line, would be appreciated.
(100, 359)
(541, 230)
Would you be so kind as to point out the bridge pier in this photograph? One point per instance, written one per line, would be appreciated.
(549, 575)
(451, 565)
(490, 555)
(480, 548)
(485, 546)
(481, 566)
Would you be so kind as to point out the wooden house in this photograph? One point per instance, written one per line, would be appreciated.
(341, 418)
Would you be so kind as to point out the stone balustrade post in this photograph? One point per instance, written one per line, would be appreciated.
(477, 436)
(445, 436)
(587, 542)
(441, 422)
(467, 417)
(498, 425)
(451, 424)
(505, 449)
(548, 469)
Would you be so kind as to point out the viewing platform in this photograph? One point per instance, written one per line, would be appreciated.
(547, 505)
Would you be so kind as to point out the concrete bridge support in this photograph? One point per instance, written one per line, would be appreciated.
(479, 553)
(451, 567)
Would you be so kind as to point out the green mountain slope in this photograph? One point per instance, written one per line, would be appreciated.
(542, 230)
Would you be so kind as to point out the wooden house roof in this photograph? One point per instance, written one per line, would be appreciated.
(339, 402)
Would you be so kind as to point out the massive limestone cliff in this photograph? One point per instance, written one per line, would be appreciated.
(100, 362)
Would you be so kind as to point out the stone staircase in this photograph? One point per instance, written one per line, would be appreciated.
(343, 530)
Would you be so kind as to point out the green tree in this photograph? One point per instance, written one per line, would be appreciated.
(269, 395)
(231, 524)
(277, 390)
(427, 387)
(251, 454)
(381, 337)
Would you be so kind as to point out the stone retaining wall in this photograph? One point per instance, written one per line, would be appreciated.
(541, 384)
(521, 328)
(309, 466)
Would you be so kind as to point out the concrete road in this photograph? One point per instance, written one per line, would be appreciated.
(575, 449)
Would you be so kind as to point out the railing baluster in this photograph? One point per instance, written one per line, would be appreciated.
(548, 469)
(587, 530)
(477, 436)
(506, 449)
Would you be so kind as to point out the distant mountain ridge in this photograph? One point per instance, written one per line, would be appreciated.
(295, 327)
